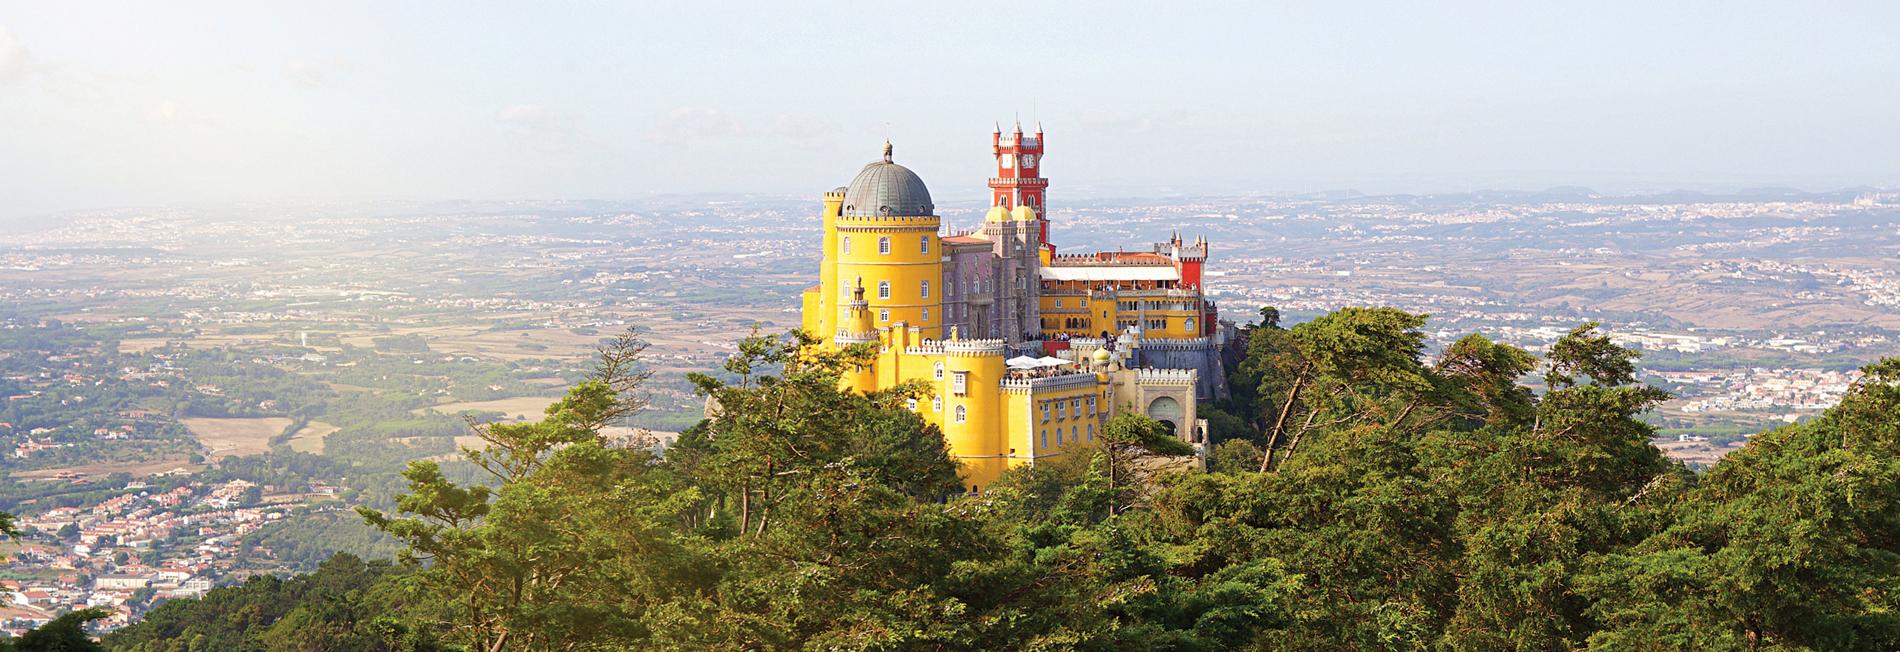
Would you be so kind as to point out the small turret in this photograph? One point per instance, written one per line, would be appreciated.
(859, 327)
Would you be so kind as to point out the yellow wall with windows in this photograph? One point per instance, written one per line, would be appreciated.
(1049, 434)
(895, 275)
(1058, 309)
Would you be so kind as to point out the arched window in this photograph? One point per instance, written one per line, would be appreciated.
(939, 371)
(883, 289)
(961, 414)
(925, 289)
(883, 315)
(1190, 324)
(884, 246)
(1091, 432)
(936, 403)
(923, 245)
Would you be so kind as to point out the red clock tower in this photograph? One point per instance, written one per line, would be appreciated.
(1018, 180)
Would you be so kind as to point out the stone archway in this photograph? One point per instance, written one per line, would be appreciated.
(1168, 411)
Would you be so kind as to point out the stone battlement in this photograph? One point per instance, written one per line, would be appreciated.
(1049, 383)
(888, 220)
(975, 348)
(1182, 377)
(1184, 344)
(928, 347)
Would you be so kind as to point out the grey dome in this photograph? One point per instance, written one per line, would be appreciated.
(885, 189)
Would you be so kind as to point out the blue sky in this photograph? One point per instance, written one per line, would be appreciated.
(112, 104)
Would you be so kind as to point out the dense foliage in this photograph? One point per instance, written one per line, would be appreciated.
(1364, 499)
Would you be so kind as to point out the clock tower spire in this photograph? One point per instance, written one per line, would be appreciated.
(1018, 180)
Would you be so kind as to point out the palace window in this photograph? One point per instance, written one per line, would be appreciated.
(910, 404)
(1188, 325)
(1045, 439)
(883, 289)
(926, 289)
(926, 318)
(845, 244)
(1091, 406)
(1045, 412)
(884, 315)
(923, 245)
(939, 371)
(936, 403)
(1075, 405)
(1091, 432)
(962, 414)
(960, 384)
(1058, 302)
(1072, 437)
(1062, 410)
(884, 246)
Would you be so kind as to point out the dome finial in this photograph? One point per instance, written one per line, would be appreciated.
(887, 150)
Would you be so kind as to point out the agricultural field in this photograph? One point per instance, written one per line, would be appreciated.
(236, 436)
(520, 408)
(309, 438)
(138, 469)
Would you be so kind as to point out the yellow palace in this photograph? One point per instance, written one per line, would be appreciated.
(1028, 353)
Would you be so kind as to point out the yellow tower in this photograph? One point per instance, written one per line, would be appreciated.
(885, 232)
(974, 415)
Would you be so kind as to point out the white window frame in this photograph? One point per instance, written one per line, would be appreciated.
(924, 288)
(923, 244)
(962, 414)
(883, 289)
(884, 245)
(884, 314)
(936, 403)
(960, 383)
(939, 371)
(844, 246)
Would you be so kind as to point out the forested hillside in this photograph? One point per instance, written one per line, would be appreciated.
(1365, 499)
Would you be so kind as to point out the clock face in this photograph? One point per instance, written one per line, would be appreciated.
(1029, 160)
(1006, 161)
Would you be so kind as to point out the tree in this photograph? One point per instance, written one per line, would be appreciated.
(1789, 543)
(1132, 444)
(66, 633)
(1346, 367)
(526, 563)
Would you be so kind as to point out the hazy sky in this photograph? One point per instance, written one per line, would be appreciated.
(145, 103)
